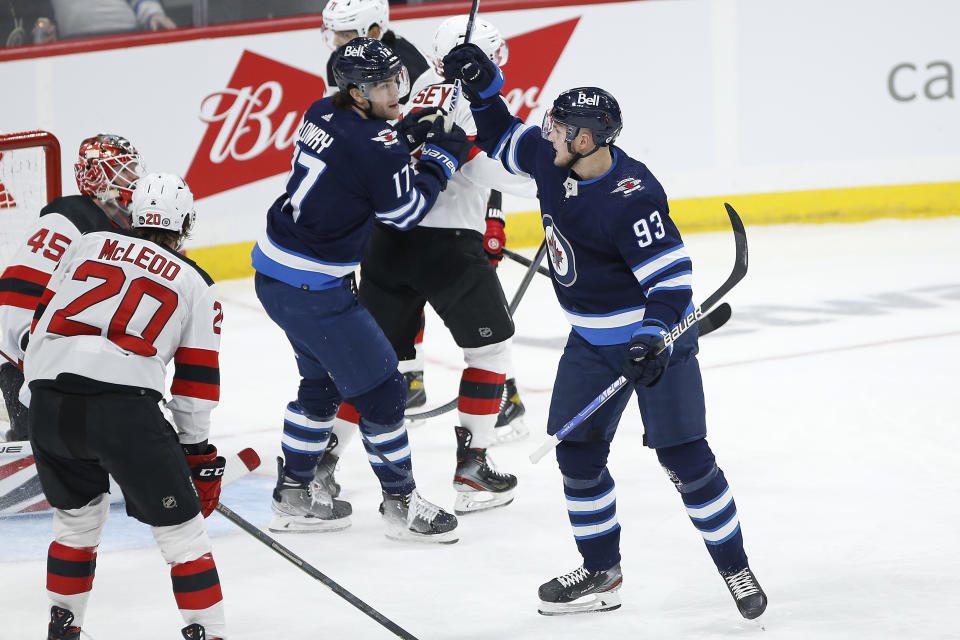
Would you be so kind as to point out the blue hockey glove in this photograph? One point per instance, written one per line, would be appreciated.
(415, 126)
(641, 365)
(482, 79)
(446, 150)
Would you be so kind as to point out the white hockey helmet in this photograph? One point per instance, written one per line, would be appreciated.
(162, 201)
(354, 15)
(451, 32)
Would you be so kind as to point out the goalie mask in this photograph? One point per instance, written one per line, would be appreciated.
(451, 32)
(353, 18)
(108, 168)
(373, 68)
(162, 201)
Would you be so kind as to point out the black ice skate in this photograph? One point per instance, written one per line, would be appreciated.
(196, 632)
(510, 426)
(747, 593)
(581, 591)
(416, 392)
(61, 625)
(306, 507)
(410, 518)
(479, 486)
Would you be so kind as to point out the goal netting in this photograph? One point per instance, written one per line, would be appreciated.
(29, 179)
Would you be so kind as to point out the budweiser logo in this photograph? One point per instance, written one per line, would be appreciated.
(252, 123)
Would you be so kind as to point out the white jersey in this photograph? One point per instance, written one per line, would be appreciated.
(463, 204)
(60, 223)
(118, 310)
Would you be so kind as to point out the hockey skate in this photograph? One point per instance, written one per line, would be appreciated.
(416, 392)
(324, 474)
(61, 625)
(510, 426)
(747, 593)
(306, 507)
(410, 518)
(479, 486)
(581, 591)
(196, 632)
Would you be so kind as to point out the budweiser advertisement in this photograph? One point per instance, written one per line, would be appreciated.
(714, 96)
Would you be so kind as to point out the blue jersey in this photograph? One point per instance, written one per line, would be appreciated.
(346, 172)
(615, 254)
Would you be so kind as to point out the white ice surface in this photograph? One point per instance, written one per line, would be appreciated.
(831, 408)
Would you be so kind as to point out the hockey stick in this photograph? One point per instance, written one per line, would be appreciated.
(514, 303)
(739, 271)
(313, 572)
(457, 85)
(525, 261)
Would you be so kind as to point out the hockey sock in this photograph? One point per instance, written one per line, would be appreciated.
(304, 441)
(196, 588)
(345, 426)
(479, 403)
(70, 578)
(388, 451)
(709, 502)
(592, 507)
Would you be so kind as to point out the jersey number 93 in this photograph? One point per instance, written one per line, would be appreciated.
(642, 229)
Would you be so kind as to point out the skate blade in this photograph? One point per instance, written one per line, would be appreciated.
(413, 423)
(590, 603)
(402, 534)
(306, 524)
(470, 501)
(513, 432)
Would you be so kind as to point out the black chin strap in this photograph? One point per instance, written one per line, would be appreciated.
(577, 156)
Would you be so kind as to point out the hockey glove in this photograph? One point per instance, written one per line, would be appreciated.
(482, 79)
(642, 366)
(445, 150)
(415, 126)
(495, 239)
(207, 469)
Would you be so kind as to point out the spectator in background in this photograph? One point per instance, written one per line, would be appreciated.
(344, 20)
(85, 18)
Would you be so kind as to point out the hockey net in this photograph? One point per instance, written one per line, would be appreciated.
(29, 179)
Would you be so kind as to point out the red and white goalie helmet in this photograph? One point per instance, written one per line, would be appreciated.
(451, 32)
(108, 168)
(353, 18)
(162, 201)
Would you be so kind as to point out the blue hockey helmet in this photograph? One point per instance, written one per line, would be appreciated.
(365, 63)
(589, 107)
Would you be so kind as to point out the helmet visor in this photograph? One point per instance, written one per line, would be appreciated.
(387, 91)
(550, 125)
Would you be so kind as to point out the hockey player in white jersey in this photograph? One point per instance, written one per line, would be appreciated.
(120, 306)
(442, 262)
(107, 168)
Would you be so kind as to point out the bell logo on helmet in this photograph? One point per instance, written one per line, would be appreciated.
(593, 101)
(352, 52)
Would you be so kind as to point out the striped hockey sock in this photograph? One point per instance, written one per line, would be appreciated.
(592, 507)
(196, 588)
(70, 573)
(479, 403)
(709, 503)
(304, 441)
(388, 451)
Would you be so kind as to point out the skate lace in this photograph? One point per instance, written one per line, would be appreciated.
(574, 577)
(742, 584)
(422, 509)
(491, 467)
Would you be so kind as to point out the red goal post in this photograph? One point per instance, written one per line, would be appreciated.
(29, 179)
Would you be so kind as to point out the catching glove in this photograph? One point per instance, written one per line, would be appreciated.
(207, 469)
(495, 238)
(481, 78)
(642, 366)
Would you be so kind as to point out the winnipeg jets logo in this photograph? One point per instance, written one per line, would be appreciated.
(387, 137)
(560, 253)
(628, 186)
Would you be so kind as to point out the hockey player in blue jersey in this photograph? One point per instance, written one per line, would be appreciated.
(623, 278)
(350, 167)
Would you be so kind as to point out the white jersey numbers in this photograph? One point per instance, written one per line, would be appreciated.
(314, 168)
(641, 228)
(402, 177)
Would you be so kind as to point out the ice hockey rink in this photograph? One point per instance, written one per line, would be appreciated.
(831, 407)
